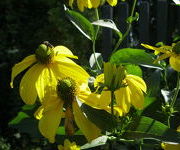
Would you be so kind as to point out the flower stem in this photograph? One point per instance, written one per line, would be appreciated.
(94, 40)
(128, 29)
(176, 91)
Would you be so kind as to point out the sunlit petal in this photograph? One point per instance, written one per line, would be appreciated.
(63, 51)
(39, 113)
(154, 48)
(175, 62)
(27, 86)
(50, 121)
(112, 2)
(46, 80)
(19, 67)
(122, 96)
(88, 128)
(137, 81)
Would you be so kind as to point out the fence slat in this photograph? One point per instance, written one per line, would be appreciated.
(162, 20)
(144, 22)
(107, 13)
(123, 14)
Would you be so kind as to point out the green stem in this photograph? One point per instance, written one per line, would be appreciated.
(168, 121)
(176, 91)
(128, 29)
(94, 40)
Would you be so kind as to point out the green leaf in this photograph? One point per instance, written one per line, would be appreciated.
(131, 19)
(145, 127)
(100, 118)
(81, 23)
(28, 107)
(20, 116)
(134, 70)
(108, 23)
(133, 56)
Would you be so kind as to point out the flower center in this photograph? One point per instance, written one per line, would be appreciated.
(67, 91)
(44, 53)
(176, 48)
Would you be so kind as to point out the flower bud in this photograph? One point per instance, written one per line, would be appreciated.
(44, 53)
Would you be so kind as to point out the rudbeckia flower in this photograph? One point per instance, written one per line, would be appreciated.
(51, 111)
(90, 3)
(68, 146)
(173, 52)
(171, 146)
(46, 66)
(128, 90)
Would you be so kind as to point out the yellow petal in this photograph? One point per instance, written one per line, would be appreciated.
(88, 128)
(170, 146)
(175, 62)
(39, 113)
(18, 68)
(112, 2)
(95, 3)
(122, 96)
(155, 48)
(137, 81)
(178, 129)
(65, 67)
(163, 56)
(64, 51)
(27, 86)
(46, 79)
(81, 5)
(137, 97)
(71, 2)
(99, 80)
(50, 121)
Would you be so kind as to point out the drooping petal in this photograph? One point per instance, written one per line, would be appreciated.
(81, 4)
(39, 113)
(88, 128)
(122, 96)
(95, 3)
(63, 51)
(170, 146)
(27, 85)
(163, 56)
(175, 62)
(71, 3)
(112, 2)
(67, 68)
(50, 121)
(138, 81)
(155, 48)
(137, 97)
(19, 67)
(99, 80)
(46, 79)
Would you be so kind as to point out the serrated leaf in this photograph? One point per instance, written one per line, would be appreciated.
(81, 23)
(108, 23)
(145, 127)
(133, 56)
(20, 116)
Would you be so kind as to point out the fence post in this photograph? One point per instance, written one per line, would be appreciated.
(107, 13)
(162, 20)
(123, 14)
(144, 21)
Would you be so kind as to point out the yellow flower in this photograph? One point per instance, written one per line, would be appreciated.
(168, 51)
(68, 146)
(171, 146)
(131, 93)
(46, 66)
(51, 111)
(90, 3)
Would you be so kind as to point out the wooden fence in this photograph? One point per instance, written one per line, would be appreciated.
(157, 23)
